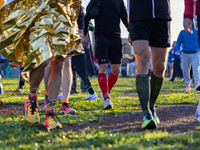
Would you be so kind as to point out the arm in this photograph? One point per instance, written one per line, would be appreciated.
(85, 38)
(178, 43)
(189, 9)
(188, 16)
(123, 14)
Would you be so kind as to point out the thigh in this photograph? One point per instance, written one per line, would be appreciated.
(142, 55)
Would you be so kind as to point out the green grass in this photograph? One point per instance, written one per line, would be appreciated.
(17, 133)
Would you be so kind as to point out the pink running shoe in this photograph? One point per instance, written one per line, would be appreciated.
(187, 88)
(65, 109)
(196, 86)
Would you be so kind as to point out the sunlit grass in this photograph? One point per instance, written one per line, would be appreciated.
(17, 133)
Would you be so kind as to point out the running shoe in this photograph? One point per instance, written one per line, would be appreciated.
(108, 104)
(1, 103)
(196, 86)
(60, 97)
(65, 109)
(198, 112)
(31, 111)
(51, 122)
(91, 97)
(155, 117)
(187, 88)
(148, 122)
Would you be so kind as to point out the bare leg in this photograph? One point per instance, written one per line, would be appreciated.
(37, 75)
(159, 60)
(31, 105)
(142, 55)
(55, 78)
(67, 78)
(46, 75)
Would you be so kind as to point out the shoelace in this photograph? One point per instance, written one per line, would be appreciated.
(53, 116)
(33, 106)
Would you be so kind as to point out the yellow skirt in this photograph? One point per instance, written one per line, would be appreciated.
(33, 31)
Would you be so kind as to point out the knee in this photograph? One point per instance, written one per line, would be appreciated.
(159, 70)
(103, 68)
(116, 71)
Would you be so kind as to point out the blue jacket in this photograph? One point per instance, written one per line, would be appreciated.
(188, 41)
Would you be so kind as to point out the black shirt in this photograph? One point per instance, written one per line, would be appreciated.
(148, 9)
(108, 24)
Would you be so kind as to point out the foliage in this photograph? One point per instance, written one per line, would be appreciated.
(17, 133)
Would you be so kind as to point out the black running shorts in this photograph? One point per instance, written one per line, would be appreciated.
(156, 31)
(108, 49)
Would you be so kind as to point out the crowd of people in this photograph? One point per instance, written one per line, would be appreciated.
(55, 36)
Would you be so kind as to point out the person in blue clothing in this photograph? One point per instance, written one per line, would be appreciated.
(189, 56)
(176, 54)
(171, 60)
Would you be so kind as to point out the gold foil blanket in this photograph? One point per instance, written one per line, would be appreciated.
(32, 31)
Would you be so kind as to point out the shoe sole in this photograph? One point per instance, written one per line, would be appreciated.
(108, 107)
(71, 112)
(151, 125)
(47, 126)
(93, 99)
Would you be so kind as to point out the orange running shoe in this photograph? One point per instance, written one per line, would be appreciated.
(31, 111)
(51, 122)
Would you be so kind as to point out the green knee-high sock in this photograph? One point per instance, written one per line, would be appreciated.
(156, 84)
(142, 84)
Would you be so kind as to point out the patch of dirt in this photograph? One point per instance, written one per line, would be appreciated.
(173, 118)
(8, 110)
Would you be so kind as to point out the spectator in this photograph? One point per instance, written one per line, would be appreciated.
(189, 56)
(177, 63)
(171, 60)
(2, 65)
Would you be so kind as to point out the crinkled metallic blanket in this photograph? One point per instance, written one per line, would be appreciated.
(32, 31)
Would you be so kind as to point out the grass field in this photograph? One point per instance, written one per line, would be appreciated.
(17, 133)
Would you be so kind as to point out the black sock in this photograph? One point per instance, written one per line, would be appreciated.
(142, 84)
(89, 88)
(156, 84)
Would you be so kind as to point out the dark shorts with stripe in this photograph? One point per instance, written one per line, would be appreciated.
(108, 49)
(156, 31)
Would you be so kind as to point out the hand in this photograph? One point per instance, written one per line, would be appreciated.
(188, 24)
(80, 32)
(177, 53)
(85, 41)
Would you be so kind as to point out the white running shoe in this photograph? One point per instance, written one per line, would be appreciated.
(91, 97)
(108, 104)
(102, 96)
(60, 96)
